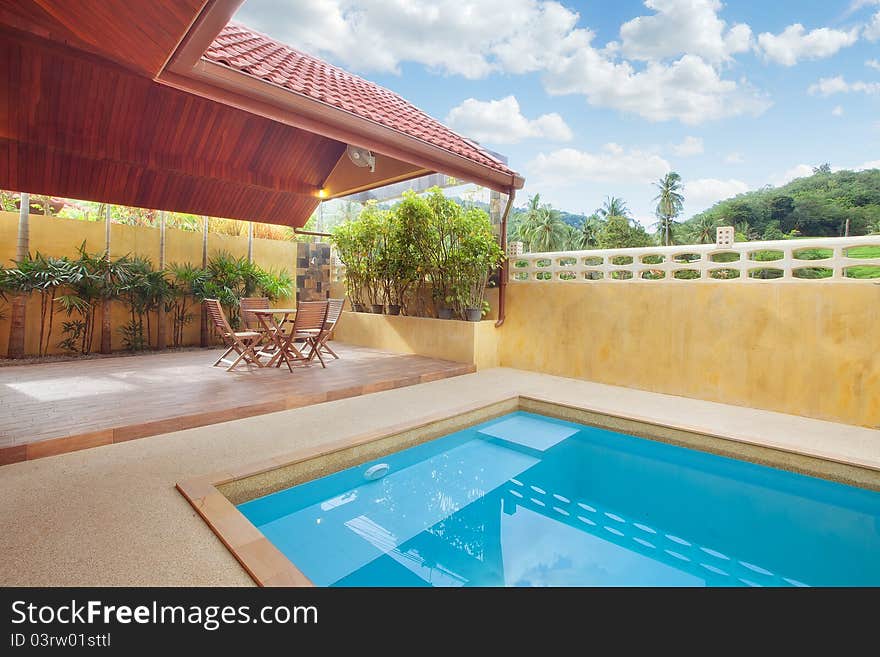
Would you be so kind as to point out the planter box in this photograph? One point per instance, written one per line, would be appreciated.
(463, 342)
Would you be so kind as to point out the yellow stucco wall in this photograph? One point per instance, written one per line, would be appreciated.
(463, 342)
(806, 348)
(62, 237)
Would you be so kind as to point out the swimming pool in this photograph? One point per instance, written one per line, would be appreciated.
(530, 500)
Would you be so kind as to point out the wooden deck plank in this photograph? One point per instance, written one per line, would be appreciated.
(53, 408)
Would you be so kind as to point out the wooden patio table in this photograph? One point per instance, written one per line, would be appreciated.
(283, 342)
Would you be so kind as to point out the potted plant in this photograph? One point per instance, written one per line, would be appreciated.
(402, 263)
(478, 255)
(355, 246)
(444, 310)
(436, 241)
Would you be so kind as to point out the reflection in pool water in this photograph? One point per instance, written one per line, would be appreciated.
(526, 500)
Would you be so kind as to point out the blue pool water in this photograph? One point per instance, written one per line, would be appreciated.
(527, 500)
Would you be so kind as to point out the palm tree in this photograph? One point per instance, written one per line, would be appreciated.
(613, 207)
(19, 301)
(101, 279)
(548, 232)
(106, 326)
(525, 219)
(542, 228)
(701, 229)
(203, 328)
(572, 241)
(588, 235)
(161, 324)
(670, 201)
(250, 236)
(183, 278)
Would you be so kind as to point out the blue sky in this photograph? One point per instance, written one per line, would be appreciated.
(589, 99)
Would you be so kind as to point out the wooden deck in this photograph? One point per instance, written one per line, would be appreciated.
(61, 407)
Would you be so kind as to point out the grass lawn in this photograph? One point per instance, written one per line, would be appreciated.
(867, 271)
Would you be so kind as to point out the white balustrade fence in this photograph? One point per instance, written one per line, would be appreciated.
(813, 260)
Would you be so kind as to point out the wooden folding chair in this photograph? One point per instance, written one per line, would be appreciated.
(307, 329)
(243, 343)
(251, 322)
(334, 312)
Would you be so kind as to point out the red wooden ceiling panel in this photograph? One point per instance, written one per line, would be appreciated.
(140, 34)
(134, 141)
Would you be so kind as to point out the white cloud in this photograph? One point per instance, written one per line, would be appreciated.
(502, 122)
(795, 43)
(734, 158)
(683, 26)
(837, 111)
(799, 171)
(612, 164)
(481, 37)
(690, 146)
(705, 192)
(874, 164)
(470, 39)
(689, 89)
(855, 5)
(873, 63)
(837, 85)
(872, 29)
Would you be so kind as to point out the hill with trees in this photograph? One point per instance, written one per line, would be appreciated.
(826, 204)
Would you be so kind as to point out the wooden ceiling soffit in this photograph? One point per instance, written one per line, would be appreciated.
(146, 144)
(227, 85)
(347, 178)
(137, 34)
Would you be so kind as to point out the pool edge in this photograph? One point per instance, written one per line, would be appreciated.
(267, 566)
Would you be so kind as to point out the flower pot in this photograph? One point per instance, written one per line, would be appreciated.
(359, 307)
(444, 312)
(378, 308)
(473, 314)
(393, 309)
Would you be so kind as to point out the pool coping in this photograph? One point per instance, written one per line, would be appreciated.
(268, 566)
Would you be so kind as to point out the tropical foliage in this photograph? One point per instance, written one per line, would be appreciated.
(541, 227)
(76, 288)
(45, 276)
(132, 216)
(670, 202)
(424, 245)
(825, 204)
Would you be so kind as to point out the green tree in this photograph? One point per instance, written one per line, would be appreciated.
(547, 232)
(15, 348)
(183, 278)
(588, 235)
(781, 207)
(670, 201)
(46, 276)
(98, 283)
(541, 227)
(813, 206)
(773, 232)
(613, 207)
(701, 230)
(618, 233)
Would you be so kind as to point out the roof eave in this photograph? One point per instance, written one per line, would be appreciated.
(229, 85)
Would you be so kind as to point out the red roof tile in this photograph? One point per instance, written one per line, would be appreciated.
(258, 55)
